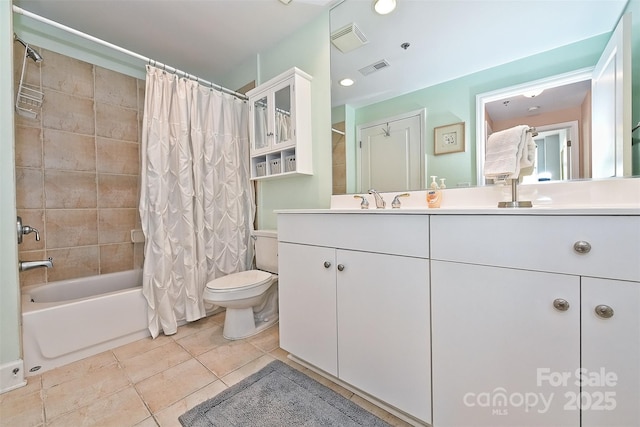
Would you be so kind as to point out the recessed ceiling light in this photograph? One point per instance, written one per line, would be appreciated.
(384, 6)
(346, 82)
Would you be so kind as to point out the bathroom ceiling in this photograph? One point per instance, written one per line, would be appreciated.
(210, 38)
(207, 38)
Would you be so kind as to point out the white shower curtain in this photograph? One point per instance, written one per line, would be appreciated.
(196, 202)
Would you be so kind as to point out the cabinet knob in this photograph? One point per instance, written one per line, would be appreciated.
(561, 304)
(340, 267)
(327, 264)
(604, 311)
(582, 247)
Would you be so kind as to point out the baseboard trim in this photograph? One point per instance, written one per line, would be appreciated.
(12, 376)
(392, 410)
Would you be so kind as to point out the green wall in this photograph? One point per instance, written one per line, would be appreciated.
(308, 49)
(10, 350)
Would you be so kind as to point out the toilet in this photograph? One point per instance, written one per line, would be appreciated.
(250, 297)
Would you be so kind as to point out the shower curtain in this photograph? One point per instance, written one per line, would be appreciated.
(196, 202)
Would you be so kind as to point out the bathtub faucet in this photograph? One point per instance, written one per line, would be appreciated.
(28, 265)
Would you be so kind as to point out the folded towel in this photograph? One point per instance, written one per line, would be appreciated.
(508, 152)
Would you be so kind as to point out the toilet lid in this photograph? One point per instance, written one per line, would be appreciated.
(243, 279)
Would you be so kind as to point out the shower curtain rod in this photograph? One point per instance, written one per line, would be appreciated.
(149, 61)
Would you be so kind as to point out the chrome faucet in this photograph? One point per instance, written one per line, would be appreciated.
(28, 265)
(380, 203)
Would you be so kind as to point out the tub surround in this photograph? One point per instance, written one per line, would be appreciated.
(465, 277)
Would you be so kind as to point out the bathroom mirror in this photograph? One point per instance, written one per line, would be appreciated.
(448, 42)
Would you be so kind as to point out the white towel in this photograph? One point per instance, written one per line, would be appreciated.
(509, 152)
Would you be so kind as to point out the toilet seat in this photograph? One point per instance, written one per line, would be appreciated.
(243, 280)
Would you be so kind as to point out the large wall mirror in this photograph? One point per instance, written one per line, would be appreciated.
(464, 61)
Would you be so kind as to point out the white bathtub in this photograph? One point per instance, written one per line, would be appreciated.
(69, 320)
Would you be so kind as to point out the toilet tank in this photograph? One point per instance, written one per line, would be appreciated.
(266, 250)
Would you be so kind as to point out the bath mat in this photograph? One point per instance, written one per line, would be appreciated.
(278, 395)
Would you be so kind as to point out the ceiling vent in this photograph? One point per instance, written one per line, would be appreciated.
(377, 66)
(348, 38)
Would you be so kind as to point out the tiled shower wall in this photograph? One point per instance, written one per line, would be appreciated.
(78, 168)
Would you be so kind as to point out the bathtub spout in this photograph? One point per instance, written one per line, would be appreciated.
(28, 265)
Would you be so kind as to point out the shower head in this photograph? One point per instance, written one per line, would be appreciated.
(31, 53)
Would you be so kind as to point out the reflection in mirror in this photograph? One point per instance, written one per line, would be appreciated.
(443, 69)
(559, 108)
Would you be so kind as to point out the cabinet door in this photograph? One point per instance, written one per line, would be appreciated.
(307, 298)
(284, 121)
(261, 129)
(503, 355)
(610, 373)
(384, 328)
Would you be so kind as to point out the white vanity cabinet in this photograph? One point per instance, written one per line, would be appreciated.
(354, 302)
(281, 126)
(516, 339)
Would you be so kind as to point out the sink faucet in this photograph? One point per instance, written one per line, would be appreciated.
(28, 265)
(380, 203)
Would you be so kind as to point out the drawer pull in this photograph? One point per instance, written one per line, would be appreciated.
(604, 311)
(327, 264)
(340, 267)
(561, 304)
(582, 247)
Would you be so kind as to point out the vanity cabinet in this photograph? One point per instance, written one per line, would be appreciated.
(535, 320)
(354, 302)
(281, 126)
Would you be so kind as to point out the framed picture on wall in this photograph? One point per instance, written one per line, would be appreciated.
(448, 139)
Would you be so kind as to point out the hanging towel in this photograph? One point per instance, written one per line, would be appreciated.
(510, 153)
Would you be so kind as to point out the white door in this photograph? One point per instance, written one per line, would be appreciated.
(391, 154)
(611, 109)
(610, 353)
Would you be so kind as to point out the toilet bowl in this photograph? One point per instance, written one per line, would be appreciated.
(250, 297)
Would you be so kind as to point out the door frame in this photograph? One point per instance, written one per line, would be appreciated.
(422, 113)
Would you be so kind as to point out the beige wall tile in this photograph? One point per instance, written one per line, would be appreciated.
(71, 190)
(71, 227)
(68, 75)
(116, 257)
(138, 255)
(116, 122)
(70, 263)
(115, 225)
(118, 156)
(116, 89)
(33, 218)
(117, 191)
(29, 190)
(69, 151)
(28, 146)
(69, 113)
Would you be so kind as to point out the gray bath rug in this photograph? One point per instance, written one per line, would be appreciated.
(278, 395)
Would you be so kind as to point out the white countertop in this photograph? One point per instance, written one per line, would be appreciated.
(478, 210)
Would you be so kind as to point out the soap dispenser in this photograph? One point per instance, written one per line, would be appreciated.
(434, 195)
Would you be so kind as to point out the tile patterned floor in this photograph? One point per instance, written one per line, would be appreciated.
(149, 383)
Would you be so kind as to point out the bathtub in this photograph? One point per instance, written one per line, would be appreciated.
(66, 321)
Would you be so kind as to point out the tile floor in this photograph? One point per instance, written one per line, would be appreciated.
(149, 383)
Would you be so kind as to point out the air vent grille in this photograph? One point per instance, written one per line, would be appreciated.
(348, 38)
(376, 66)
